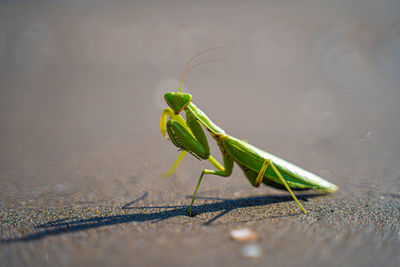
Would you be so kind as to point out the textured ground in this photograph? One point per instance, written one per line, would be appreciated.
(134, 216)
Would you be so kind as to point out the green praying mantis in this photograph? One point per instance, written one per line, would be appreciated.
(258, 166)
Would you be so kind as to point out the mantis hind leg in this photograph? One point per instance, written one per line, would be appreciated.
(261, 174)
(225, 171)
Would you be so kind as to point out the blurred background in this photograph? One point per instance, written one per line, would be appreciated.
(82, 84)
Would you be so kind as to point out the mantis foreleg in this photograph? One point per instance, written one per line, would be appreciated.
(261, 174)
(163, 120)
(186, 135)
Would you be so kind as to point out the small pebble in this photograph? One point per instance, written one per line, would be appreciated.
(244, 235)
(251, 251)
(236, 194)
(60, 187)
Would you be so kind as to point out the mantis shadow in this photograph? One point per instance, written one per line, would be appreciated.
(224, 205)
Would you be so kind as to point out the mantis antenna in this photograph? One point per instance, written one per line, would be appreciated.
(204, 62)
(191, 59)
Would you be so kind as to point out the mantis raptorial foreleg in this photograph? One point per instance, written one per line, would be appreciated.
(163, 120)
(224, 172)
(261, 174)
(186, 135)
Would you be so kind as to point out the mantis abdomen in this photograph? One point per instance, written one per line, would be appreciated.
(251, 159)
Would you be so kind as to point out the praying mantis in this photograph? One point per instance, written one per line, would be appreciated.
(258, 166)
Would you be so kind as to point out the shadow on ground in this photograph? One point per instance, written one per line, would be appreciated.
(224, 205)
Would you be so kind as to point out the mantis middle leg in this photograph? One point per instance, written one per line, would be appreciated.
(224, 172)
(180, 158)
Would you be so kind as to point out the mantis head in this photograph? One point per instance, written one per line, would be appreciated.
(177, 100)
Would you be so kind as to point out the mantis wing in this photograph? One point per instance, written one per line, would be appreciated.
(251, 159)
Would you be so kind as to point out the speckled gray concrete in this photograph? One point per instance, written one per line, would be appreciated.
(81, 153)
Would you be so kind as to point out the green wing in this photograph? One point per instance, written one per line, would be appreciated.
(250, 159)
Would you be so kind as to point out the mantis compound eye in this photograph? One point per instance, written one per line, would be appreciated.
(177, 101)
